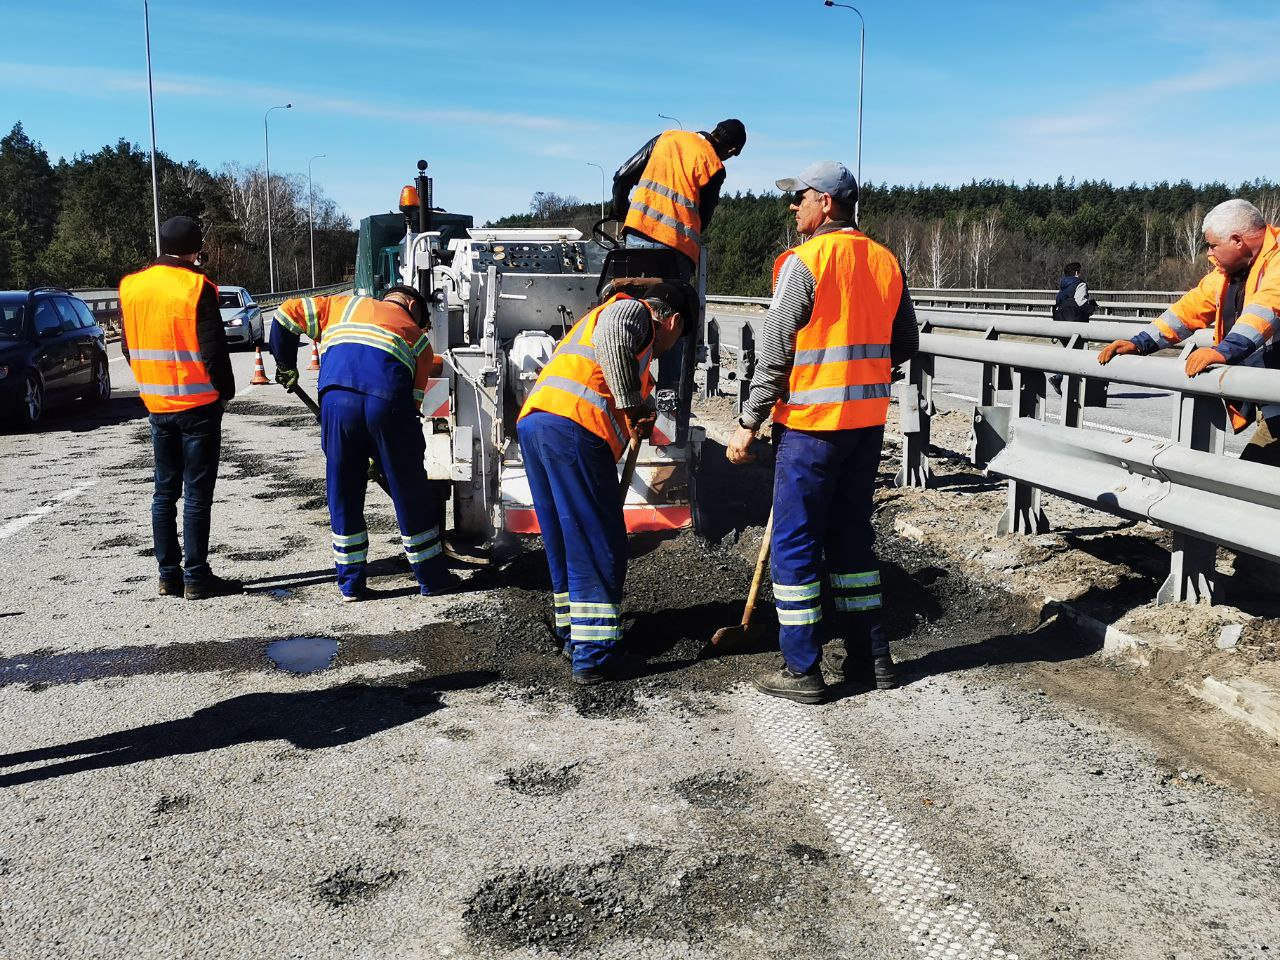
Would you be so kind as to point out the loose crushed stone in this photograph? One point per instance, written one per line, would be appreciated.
(352, 884)
(539, 780)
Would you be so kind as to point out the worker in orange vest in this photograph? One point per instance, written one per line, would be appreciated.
(174, 341)
(840, 319)
(677, 178)
(1240, 297)
(375, 362)
(586, 405)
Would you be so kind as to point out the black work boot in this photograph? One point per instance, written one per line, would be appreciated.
(886, 673)
(619, 666)
(790, 685)
(171, 588)
(212, 586)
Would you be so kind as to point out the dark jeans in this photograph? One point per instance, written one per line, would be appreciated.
(187, 446)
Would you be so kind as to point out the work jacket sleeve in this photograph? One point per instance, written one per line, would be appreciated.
(708, 198)
(294, 318)
(789, 312)
(212, 337)
(623, 329)
(422, 369)
(627, 176)
(1258, 323)
(905, 341)
(1197, 310)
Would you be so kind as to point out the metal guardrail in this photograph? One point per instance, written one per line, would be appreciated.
(1116, 303)
(1200, 424)
(1200, 496)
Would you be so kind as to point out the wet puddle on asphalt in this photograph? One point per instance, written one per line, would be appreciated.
(303, 654)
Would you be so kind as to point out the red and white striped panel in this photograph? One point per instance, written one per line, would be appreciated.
(435, 400)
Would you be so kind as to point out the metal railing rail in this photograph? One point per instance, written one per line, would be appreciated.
(1200, 423)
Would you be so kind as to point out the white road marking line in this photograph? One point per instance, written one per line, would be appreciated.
(21, 523)
(897, 871)
(1088, 423)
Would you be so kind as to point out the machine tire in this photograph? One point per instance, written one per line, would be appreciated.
(99, 389)
(30, 407)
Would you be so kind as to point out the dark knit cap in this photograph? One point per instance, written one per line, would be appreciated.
(180, 236)
(731, 136)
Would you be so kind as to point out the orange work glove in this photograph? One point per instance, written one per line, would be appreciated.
(1116, 347)
(1200, 360)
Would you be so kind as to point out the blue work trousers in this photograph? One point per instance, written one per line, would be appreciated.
(354, 428)
(822, 531)
(187, 448)
(573, 477)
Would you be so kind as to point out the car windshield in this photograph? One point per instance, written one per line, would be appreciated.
(231, 299)
(10, 319)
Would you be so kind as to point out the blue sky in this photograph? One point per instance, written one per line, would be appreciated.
(505, 98)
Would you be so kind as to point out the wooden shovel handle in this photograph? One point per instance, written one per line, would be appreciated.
(758, 576)
(629, 468)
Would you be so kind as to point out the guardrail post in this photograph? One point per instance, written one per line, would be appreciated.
(1073, 390)
(1201, 424)
(914, 411)
(1023, 513)
(990, 374)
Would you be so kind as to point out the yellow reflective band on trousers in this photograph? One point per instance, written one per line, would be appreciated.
(351, 549)
(664, 204)
(422, 546)
(595, 621)
(158, 306)
(798, 604)
(842, 369)
(561, 604)
(572, 384)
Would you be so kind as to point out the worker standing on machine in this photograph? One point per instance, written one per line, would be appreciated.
(677, 178)
(375, 364)
(587, 404)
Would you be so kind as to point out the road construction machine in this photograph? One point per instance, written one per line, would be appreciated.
(500, 300)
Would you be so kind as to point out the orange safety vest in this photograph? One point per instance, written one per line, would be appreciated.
(664, 206)
(159, 309)
(1259, 321)
(572, 384)
(842, 370)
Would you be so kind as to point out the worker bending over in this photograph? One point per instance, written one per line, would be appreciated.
(375, 361)
(1240, 296)
(841, 317)
(677, 177)
(587, 403)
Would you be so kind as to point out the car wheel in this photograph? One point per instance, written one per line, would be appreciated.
(99, 390)
(31, 402)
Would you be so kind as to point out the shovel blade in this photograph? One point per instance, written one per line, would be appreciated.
(735, 638)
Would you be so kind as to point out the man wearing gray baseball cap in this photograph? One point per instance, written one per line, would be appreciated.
(840, 320)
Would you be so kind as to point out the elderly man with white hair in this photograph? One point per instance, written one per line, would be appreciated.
(1240, 297)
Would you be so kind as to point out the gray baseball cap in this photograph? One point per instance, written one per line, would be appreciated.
(825, 176)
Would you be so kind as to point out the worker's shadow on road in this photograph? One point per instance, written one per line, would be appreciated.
(309, 719)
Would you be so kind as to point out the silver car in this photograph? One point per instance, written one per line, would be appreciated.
(241, 317)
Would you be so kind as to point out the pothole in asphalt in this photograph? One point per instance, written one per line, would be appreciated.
(644, 892)
(303, 654)
(539, 780)
(353, 883)
(721, 790)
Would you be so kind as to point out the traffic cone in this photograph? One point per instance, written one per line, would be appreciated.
(259, 371)
(315, 356)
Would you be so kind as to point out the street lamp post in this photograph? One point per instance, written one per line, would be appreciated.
(266, 141)
(862, 62)
(602, 186)
(672, 119)
(311, 216)
(151, 108)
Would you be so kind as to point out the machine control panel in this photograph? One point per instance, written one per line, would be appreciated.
(556, 256)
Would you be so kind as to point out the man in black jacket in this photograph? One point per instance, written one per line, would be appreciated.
(1072, 305)
(176, 346)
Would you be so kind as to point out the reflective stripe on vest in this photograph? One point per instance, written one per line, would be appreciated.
(664, 206)
(842, 369)
(572, 384)
(159, 305)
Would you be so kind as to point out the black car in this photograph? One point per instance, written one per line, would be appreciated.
(51, 348)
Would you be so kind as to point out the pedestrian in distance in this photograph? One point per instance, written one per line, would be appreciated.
(1240, 298)
(176, 346)
(375, 363)
(840, 319)
(676, 178)
(1071, 305)
(588, 403)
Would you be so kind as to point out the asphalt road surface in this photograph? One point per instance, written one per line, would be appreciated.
(441, 790)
